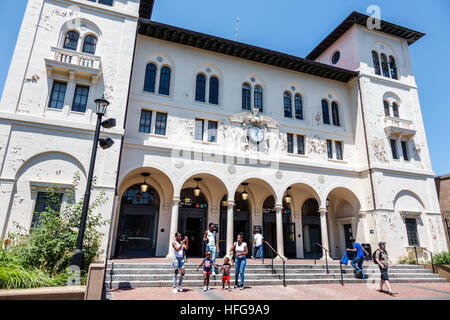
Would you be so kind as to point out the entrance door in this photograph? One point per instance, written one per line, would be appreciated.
(192, 224)
(348, 234)
(242, 224)
(223, 234)
(290, 249)
(311, 235)
(269, 233)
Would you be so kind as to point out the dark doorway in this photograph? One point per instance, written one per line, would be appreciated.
(348, 234)
(311, 230)
(138, 223)
(192, 221)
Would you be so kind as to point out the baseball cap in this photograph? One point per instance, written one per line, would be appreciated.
(381, 244)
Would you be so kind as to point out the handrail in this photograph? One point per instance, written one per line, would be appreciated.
(431, 254)
(326, 255)
(283, 259)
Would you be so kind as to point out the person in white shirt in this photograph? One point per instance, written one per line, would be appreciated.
(210, 236)
(257, 245)
(178, 260)
(241, 251)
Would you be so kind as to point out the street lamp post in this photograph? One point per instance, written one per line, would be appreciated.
(101, 105)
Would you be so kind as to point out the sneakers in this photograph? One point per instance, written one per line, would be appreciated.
(214, 273)
(235, 286)
(180, 289)
(229, 289)
(174, 290)
(242, 288)
(205, 288)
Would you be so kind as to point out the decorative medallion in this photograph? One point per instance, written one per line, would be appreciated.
(330, 96)
(293, 88)
(208, 70)
(179, 164)
(279, 175)
(159, 59)
(231, 169)
(321, 179)
(252, 79)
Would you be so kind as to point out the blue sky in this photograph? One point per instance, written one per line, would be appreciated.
(296, 27)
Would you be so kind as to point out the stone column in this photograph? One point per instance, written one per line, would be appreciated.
(6, 194)
(173, 225)
(230, 226)
(279, 222)
(324, 231)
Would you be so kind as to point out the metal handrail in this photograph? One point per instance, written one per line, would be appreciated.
(284, 262)
(342, 276)
(326, 255)
(431, 254)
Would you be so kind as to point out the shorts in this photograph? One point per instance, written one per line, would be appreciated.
(225, 279)
(384, 273)
(206, 271)
(177, 263)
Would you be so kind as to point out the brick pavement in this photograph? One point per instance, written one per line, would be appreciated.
(293, 292)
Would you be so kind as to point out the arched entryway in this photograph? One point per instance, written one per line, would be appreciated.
(192, 220)
(311, 229)
(138, 223)
(270, 227)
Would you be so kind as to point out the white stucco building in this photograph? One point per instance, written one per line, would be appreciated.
(329, 148)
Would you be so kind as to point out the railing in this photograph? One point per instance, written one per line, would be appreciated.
(284, 262)
(76, 58)
(399, 123)
(431, 255)
(325, 253)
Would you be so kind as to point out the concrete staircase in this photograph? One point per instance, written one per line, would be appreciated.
(134, 275)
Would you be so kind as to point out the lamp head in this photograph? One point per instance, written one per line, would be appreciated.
(102, 104)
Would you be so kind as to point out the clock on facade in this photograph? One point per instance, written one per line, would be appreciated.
(255, 134)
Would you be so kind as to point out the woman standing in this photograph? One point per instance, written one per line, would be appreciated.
(178, 260)
(240, 261)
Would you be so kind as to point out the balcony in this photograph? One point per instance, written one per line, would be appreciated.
(75, 63)
(396, 127)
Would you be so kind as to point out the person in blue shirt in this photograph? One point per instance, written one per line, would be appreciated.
(358, 259)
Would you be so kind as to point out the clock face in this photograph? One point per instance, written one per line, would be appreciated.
(255, 134)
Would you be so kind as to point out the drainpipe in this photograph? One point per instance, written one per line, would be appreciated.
(367, 153)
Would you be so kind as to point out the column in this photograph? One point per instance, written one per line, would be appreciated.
(324, 231)
(173, 225)
(230, 226)
(6, 194)
(279, 222)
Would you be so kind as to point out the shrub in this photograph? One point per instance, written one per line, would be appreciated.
(442, 258)
(409, 259)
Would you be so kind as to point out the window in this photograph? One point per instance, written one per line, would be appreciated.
(330, 149)
(300, 144)
(150, 76)
(335, 58)
(393, 67)
(80, 99)
(338, 145)
(214, 90)
(290, 143)
(200, 88)
(325, 112)
(287, 104)
(90, 44)
(335, 113)
(212, 131)
(395, 110)
(258, 98)
(58, 95)
(105, 2)
(164, 81)
(199, 128)
(45, 201)
(411, 230)
(394, 148)
(387, 113)
(146, 121)
(405, 150)
(298, 107)
(160, 125)
(246, 99)
(376, 63)
(384, 65)
(71, 40)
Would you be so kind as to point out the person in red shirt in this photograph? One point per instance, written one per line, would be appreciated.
(226, 273)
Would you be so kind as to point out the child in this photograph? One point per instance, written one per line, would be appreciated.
(226, 273)
(207, 264)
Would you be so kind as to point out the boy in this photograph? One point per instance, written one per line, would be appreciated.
(358, 259)
(207, 264)
(226, 273)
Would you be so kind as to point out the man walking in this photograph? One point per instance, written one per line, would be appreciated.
(358, 259)
(257, 245)
(382, 259)
(212, 245)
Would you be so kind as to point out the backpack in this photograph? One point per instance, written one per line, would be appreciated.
(374, 256)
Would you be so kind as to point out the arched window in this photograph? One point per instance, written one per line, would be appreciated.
(387, 112)
(90, 44)
(393, 67)
(246, 99)
(150, 76)
(214, 90)
(164, 81)
(376, 63)
(335, 113)
(325, 112)
(298, 106)
(258, 98)
(287, 98)
(384, 65)
(395, 110)
(200, 88)
(71, 40)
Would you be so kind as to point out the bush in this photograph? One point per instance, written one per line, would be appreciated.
(40, 256)
(409, 259)
(442, 258)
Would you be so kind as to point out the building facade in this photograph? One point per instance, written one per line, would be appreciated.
(443, 192)
(313, 152)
